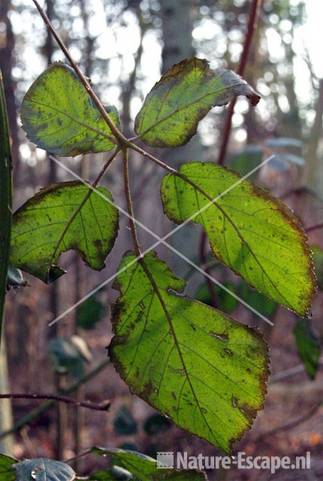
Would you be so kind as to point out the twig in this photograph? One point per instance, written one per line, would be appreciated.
(252, 23)
(114, 129)
(291, 424)
(35, 413)
(314, 227)
(102, 406)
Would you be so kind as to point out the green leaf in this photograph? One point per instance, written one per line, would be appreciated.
(68, 356)
(182, 97)
(156, 424)
(191, 362)
(224, 300)
(253, 233)
(318, 263)
(42, 469)
(246, 160)
(89, 313)
(5, 199)
(7, 472)
(55, 221)
(144, 468)
(59, 116)
(258, 301)
(308, 346)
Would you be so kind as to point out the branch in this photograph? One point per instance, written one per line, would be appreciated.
(252, 23)
(102, 406)
(290, 424)
(114, 129)
(314, 227)
(35, 413)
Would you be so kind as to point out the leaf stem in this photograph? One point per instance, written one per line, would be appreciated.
(314, 227)
(120, 138)
(102, 406)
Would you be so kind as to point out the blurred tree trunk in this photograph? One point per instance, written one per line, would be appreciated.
(314, 164)
(5, 404)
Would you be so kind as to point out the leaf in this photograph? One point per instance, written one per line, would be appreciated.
(191, 362)
(89, 313)
(182, 97)
(7, 472)
(156, 424)
(144, 468)
(318, 263)
(124, 424)
(308, 346)
(67, 357)
(257, 300)
(46, 226)
(253, 233)
(246, 160)
(225, 302)
(5, 199)
(42, 469)
(59, 116)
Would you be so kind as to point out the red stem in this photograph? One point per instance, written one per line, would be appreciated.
(314, 227)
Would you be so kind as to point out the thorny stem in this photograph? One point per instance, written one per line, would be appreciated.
(129, 202)
(103, 406)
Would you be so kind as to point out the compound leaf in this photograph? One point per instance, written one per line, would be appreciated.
(58, 219)
(59, 116)
(190, 361)
(182, 97)
(254, 234)
(144, 468)
(42, 469)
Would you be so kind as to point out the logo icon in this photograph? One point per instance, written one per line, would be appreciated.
(165, 460)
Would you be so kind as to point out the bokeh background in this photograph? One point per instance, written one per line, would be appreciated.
(123, 47)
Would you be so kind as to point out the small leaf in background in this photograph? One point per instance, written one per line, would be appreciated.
(251, 232)
(144, 468)
(102, 476)
(69, 356)
(46, 226)
(90, 312)
(59, 116)
(224, 301)
(191, 362)
(308, 346)
(124, 424)
(255, 299)
(15, 278)
(7, 472)
(42, 469)
(318, 263)
(246, 160)
(156, 424)
(182, 97)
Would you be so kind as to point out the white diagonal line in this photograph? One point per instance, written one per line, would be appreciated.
(161, 240)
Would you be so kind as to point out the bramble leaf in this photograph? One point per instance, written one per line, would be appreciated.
(190, 361)
(7, 472)
(253, 233)
(182, 97)
(43, 469)
(59, 116)
(144, 468)
(308, 346)
(47, 225)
